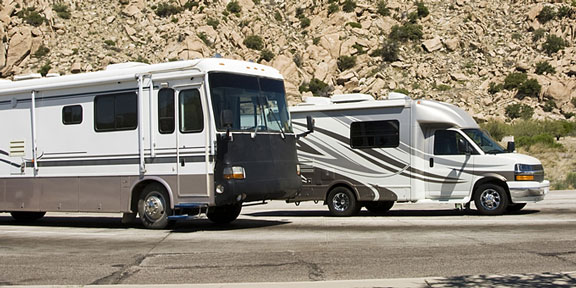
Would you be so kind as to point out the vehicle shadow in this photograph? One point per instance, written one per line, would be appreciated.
(391, 213)
(107, 222)
(557, 280)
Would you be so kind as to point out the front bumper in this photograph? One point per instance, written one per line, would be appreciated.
(527, 192)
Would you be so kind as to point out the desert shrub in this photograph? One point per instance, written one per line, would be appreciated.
(544, 67)
(317, 87)
(549, 105)
(494, 88)
(233, 7)
(141, 59)
(213, 22)
(443, 87)
(304, 22)
(204, 37)
(266, 55)
(514, 111)
(278, 16)
(110, 43)
(359, 48)
(573, 101)
(545, 140)
(538, 34)
(45, 69)
(546, 14)
(565, 11)
(62, 10)
(42, 51)
(402, 90)
(553, 44)
(298, 60)
(568, 115)
(496, 129)
(382, 8)
(514, 80)
(190, 4)
(166, 9)
(254, 42)
(31, 16)
(422, 10)
(406, 32)
(354, 24)
(348, 6)
(388, 51)
(346, 62)
(333, 8)
(530, 88)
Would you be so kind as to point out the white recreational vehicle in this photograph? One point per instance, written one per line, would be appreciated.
(373, 153)
(166, 141)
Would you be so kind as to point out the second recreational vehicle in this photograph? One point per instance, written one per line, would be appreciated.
(373, 153)
(165, 141)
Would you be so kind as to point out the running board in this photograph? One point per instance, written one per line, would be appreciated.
(190, 207)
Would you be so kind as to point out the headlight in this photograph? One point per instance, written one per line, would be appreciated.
(524, 172)
(234, 172)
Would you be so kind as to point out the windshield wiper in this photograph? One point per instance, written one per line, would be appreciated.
(277, 122)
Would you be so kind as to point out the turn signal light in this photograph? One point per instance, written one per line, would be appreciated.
(234, 172)
(524, 177)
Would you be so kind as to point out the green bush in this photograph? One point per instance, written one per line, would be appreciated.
(354, 24)
(317, 87)
(62, 10)
(388, 51)
(213, 22)
(110, 43)
(304, 22)
(530, 88)
(514, 80)
(538, 34)
(45, 69)
(382, 8)
(348, 6)
(406, 32)
(254, 42)
(190, 4)
(266, 55)
(443, 87)
(422, 10)
(573, 101)
(544, 67)
(278, 16)
(31, 16)
(546, 14)
(167, 9)
(545, 139)
(402, 90)
(233, 7)
(553, 44)
(514, 111)
(204, 37)
(359, 48)
(565, 12)
(549, 105)
(494, 88)
(346, 62)
(333, 8)
(42, 51)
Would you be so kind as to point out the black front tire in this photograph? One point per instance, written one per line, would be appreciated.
(342, 202)
(379, 207)
(515, 207)
(491, 199)
(154, 207)
(21, 216)
(224, 214)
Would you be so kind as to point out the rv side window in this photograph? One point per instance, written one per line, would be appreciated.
(191, 117)
(375, 134)
(448, 142)
(72, 115)
(166, 111)
(115, 112)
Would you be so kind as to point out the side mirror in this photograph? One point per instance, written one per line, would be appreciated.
(309, 126)
(227, 118)
(511, 147)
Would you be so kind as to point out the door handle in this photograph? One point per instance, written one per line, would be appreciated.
(182, 162)
(431, 162)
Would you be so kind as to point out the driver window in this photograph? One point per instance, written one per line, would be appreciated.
(448, 142)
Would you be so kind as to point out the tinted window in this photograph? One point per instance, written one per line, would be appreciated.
(116, 112)
(375, 134)
(72, 115)
(448, 142)
(166, 111)
(191, 117)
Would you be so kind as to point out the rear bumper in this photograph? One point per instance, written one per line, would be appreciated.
(247, 191)
(526, 192)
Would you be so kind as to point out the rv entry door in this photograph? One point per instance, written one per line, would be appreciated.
(450, 165)
(193, 165)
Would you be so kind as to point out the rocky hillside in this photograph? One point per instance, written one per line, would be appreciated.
(456, 51)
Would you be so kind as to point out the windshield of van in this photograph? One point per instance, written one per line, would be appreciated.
(252, 104)
(483, 139)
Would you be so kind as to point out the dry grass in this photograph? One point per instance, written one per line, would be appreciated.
(557, 162)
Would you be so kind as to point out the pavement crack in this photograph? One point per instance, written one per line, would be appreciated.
(315, 272)
(118, 276)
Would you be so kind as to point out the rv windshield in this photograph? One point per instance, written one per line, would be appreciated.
(484, 141)
(256, 104)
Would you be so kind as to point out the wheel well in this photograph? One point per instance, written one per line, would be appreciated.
(492, 180)
(139, 187)
(344, 185)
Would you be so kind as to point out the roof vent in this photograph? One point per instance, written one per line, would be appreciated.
(351, 98)
(52, 75)
(397, 96)
(312, 100)
(126, 65)
(27, 76)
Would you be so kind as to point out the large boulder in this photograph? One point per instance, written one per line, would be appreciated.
(18, 47)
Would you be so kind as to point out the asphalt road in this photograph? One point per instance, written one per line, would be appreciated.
(281, 242)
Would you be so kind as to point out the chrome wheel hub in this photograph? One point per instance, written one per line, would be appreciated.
(341, 202)
(490, 199)
(154, 207)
